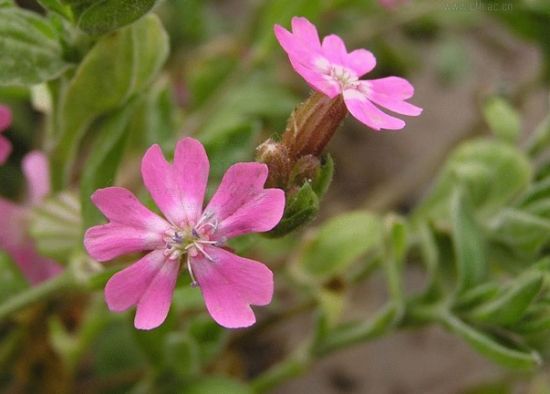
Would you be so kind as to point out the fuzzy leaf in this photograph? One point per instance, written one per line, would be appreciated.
(118, 66)
(510, 306)
(468, 244)
(522, 230)
(104, 158)
(339, 242)
(30, 52)
(490, 348)
(503, 119)
(478, 166)
(55, 225)
(103, 16)
(300, 208)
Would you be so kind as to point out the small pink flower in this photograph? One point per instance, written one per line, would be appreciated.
(328, 68)
(229, 283)
(391, 4)
(5, 122)
(13, 231)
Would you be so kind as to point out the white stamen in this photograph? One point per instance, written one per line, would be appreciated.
(190, 269)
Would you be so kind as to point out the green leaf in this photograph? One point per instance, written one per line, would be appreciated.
(537, 319)
(356, 332)
(55, 226)
(430, 258)
(103, 16)
(181, 354)
(117, 67)
(30, 52)
(104, 159)
(300, 208)
(522, 230)
(322, 181)
(235, 144)
(340, 242)
(539, 141)
(214, 385)
(156, 118)
(11, 278)
(56, 6)
(208, 335)
(395, 249)
(503, 119)
(490, 348)
(258, 97)
(537, 191)
(331, 303)
(478, 166)
(468, 244)
(476, 295)
(510, 306)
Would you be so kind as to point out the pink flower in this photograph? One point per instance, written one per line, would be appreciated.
(13, 231)
(229, 283)
(5, 122)
(328, 68)
(391, 4)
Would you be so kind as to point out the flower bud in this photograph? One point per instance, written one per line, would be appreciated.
(275, 155)
(312, 124)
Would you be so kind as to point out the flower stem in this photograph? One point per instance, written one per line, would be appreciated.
(289, 368)
(34, 294)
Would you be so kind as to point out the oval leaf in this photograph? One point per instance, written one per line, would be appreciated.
(340, 242)
(29, 50)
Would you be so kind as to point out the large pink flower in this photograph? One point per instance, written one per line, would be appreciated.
(330, 69)
(5, 122)
(13, 231)
(187, 235)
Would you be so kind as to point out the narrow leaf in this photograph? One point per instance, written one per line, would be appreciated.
(468, 244)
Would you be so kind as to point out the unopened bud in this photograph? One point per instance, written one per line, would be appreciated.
(312, 125)
(275, 155)
(305, 169)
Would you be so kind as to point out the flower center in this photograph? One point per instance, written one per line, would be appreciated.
(345, 77)
(191, 239)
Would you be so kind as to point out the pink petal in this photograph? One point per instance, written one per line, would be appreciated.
(240, 183)
(126, 287)
(15, 242)
(154, 304)
(12, 231)
(132, 226)
(108, 241)
(177, 190)
(335, 50)
(261, 213)
(361, 61)
(317, 80)
(191, 166)
(304, 52)
(396, 87)
(305, 31)
(120, 206)
(5, 117)
(230, 284)
(5, 149)
(35, 268)
(382, 94)
(37, 173)
(366, 112)
(292, 45)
